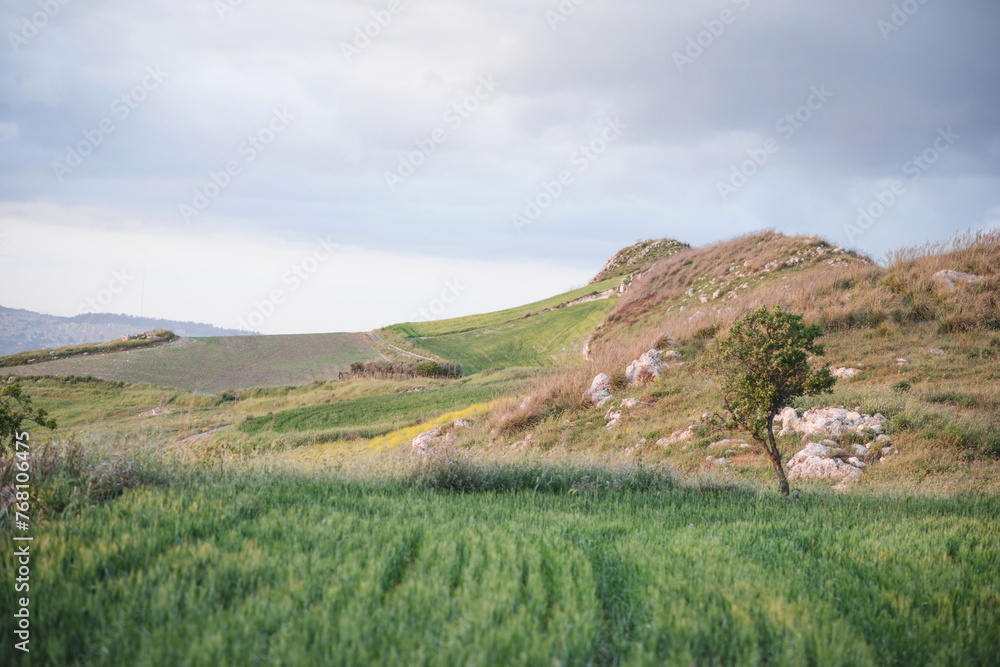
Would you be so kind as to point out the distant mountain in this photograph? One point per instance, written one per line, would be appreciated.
(22, 330)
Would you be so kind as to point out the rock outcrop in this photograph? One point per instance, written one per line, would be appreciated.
(428, 440)
(684, 435)
(650, 366)
(821, 460)
(600, 391)
(647, 367)
(844, 373)
(950, 279)
(828, 422)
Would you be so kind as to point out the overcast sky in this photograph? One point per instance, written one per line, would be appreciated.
(336, 165)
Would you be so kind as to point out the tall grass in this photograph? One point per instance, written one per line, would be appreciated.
(274, 568)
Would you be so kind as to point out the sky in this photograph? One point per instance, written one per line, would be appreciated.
(309, 166)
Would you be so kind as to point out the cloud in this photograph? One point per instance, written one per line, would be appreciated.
(357, 117)
(227, 280)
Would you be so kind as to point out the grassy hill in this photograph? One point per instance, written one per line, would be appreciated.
(294, 524)
(928, 356)
(216, 364)
(546, 333)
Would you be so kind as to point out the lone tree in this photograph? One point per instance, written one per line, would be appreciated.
(15, 409)
(763, 364)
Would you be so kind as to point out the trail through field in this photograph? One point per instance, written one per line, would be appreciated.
(377, 341)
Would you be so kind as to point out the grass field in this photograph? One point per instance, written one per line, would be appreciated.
(308, 532)
(543, 339)
(275, 569)
(376, 415)
(216, 364)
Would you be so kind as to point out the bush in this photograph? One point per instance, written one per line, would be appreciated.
(457, 474)
(64, 479)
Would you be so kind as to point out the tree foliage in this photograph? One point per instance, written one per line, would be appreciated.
(763, 363)
(15, 409)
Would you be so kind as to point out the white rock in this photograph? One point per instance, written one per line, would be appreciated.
(462, 423)
(645, 368)
(600, 390)
(831, 422)
(671, 354)
(844, 373)
(937, 352)
(613, 417)
(860, 451)
(816, 461)
(630, 403)
(677, 436)
(883, 440)
(425, 441)
(950, 279)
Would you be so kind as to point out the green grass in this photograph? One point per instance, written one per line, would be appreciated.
(497, 318)
(546, 339)
(371, 416)
(220, 363)
(276, 569)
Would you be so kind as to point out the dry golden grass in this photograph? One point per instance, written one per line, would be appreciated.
(945, 407)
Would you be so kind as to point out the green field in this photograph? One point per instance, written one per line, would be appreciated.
(371, 416)
(524, 336)
(275, 569)
(227, 362)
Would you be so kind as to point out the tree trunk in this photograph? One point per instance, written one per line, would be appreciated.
(775, 454)
(779, 470)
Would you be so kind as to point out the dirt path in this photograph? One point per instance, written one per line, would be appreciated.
(377, 340)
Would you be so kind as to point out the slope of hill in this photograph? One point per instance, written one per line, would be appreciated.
(22, 330)
(220, 363)
(925, 354)
(556, 532)
(545, 333)
(638, 257)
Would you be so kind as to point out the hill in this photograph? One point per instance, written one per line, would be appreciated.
(356, 520)
(638, 257)
(23, 330)
(220, 363)
(546, 333)
(920, 339)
